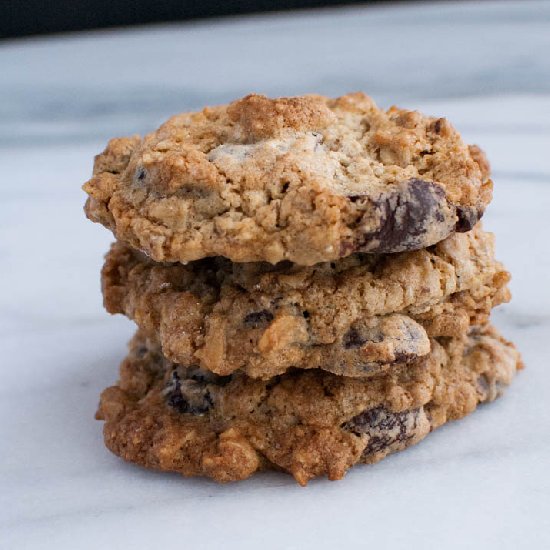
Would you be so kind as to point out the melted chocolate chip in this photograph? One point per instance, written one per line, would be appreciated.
(467, 218)
(188, 396)
(257, 318)
(173, 395)
(406, 217)
(141, 174)
(384, 428)
(402, 357)
(352, 339)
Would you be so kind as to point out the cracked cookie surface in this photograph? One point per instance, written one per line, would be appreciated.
(306, 179)
(358, 316)
(181, 418)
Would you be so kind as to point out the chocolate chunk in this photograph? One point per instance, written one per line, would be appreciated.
(384, 428)
(414, 214)
(374, 345)
(257, 318)
(402, 357)
(188, 396)
(352, 339)
(140, 174)
(467, 218)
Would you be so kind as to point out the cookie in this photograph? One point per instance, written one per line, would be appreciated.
(309, 423)
(305, 179)
(358, 316)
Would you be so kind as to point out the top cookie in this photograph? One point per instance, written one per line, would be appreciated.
(306, 179)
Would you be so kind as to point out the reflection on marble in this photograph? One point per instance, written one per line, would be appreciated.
(482, 482)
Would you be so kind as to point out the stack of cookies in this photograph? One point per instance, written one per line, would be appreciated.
(310, 281)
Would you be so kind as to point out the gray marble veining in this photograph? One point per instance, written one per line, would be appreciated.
(91, 85)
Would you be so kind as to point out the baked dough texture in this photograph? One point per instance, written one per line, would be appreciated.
(311, 283)
(359, 316)
(306, 179)
(181, 418)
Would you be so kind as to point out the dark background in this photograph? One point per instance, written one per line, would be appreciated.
(31, 17)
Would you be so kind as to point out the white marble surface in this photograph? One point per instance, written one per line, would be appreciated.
(483, 482)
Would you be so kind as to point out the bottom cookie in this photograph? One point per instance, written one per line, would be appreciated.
(309, 423)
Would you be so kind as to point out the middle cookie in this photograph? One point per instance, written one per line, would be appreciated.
(358, 316)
